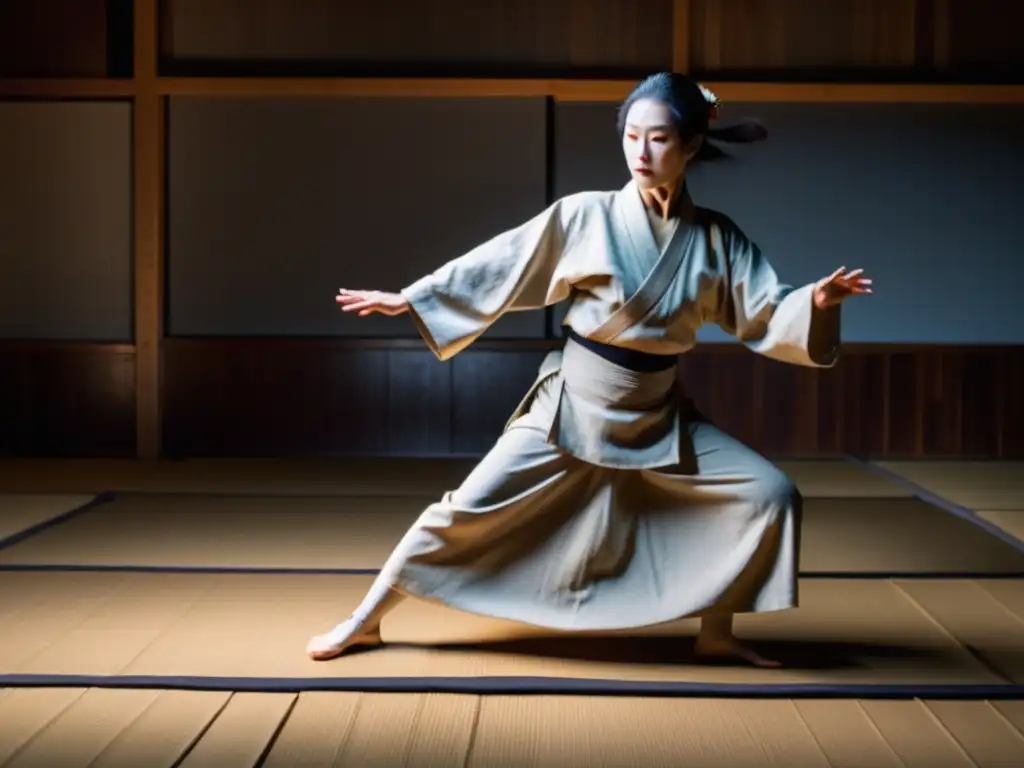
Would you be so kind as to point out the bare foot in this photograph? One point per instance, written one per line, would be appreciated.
(340, 639)
(730, 648)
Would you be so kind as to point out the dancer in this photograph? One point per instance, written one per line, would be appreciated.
(609, 502)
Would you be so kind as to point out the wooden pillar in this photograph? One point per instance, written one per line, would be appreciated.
(148, 170)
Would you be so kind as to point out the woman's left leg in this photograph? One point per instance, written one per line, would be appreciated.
(752, 530)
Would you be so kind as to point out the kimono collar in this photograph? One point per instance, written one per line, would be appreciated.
(638, 225)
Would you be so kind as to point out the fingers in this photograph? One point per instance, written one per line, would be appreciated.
(835, 274)
(850, 281)
(855, 284)
(842, 284)
(363, 302)
(363, 306)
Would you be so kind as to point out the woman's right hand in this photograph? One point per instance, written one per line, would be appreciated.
(368, 302)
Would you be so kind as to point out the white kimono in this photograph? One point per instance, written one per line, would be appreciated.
(609, 502)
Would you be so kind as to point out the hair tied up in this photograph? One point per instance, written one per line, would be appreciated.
(712, 100)
(693, 106)
(746, 131)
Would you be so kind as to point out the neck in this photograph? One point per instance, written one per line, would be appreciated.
(666, 200)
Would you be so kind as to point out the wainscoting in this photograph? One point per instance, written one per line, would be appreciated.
(297, 398)
(61, 399)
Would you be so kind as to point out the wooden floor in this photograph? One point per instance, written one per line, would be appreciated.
(97, 727)
(58, 619)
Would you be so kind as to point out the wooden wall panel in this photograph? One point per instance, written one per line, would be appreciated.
(53, 38)
(67, 400)
(802, 35)
(298, 398)
(1010, 404)
(419, 37)
(905, 391)
(255, 398)
(322, 398)
(981, 38)
(421, 406)
(487, 385)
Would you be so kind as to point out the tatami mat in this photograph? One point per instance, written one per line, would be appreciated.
(221, 629)
(343, 477)
(359, 730)
(1010, 520)
(21, 513)
(268, 477)
(847, 632)
(991, 485)
(357, 533)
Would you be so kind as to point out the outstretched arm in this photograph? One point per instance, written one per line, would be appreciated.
(455, 304)
(802, 325)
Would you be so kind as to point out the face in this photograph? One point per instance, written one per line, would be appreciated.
(654, 152)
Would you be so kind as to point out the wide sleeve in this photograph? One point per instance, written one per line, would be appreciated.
(771, 318)
(516, 270)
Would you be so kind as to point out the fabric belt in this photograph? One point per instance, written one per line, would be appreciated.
(634, 360)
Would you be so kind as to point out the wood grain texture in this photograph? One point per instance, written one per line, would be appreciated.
(502, 38)
(319, 398)
(803, 36)
(64, 48)
(333, 397)
(149, 163)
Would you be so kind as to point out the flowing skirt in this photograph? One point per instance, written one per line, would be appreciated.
(538, 536)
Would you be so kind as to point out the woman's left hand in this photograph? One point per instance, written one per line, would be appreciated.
(839, 286)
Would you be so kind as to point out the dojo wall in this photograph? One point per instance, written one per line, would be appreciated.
(276, 202)
(265, 203)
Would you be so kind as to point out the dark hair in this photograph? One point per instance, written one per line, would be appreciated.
(691, 112)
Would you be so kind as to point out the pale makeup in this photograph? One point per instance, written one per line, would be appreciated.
(655, 154)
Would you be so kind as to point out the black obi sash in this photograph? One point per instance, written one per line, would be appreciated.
(634, 360)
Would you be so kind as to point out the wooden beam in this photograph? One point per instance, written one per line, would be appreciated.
(148, 164)
(560, 89)
(65, 88)
(578, 90)
(681, 36)
(813, 93)
(359, 87)
(825, 93)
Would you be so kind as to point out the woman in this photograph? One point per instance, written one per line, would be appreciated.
(609, 502)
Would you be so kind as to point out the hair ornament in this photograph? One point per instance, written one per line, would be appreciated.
(712, 100)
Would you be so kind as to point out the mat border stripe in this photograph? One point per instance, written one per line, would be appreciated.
(917, 491)
(215, 570)
(928, 497)
(33, 530)
(543, 686)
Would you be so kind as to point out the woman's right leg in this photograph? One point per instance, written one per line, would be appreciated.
(362, 627)
(478, 526)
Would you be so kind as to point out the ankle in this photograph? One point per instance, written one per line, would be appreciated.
(716, 628)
